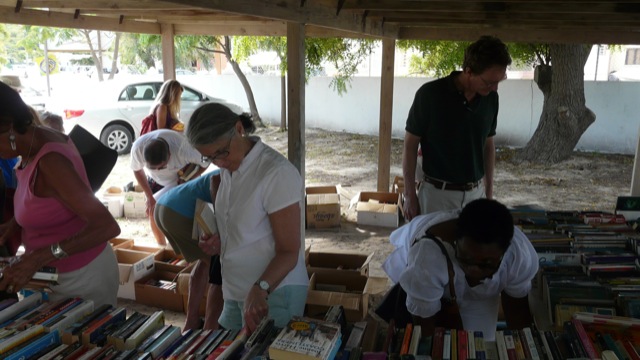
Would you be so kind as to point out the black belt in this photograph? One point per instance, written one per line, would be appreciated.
(442, 185)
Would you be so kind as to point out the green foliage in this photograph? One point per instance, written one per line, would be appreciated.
(344, 54)
(439, 58)
(138, 49)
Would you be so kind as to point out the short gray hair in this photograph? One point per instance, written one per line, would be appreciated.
(211, 121)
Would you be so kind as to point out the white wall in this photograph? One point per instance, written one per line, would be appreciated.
(616, 104)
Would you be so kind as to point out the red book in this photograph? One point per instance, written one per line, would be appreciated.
(214, 355)
(631, 350)
(584, 339)
(406, 340)
(510, 345)
(463, 345)
(438, 343)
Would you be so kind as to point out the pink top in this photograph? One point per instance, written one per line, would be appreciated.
(46, 221)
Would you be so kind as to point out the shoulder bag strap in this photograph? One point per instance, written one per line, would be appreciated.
(452, 289)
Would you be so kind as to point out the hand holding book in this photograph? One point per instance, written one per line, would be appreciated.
(205, 220)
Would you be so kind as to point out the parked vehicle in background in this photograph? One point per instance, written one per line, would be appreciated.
(30, 96)
(114, 115)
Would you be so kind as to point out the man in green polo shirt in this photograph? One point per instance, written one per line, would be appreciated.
(454, 120)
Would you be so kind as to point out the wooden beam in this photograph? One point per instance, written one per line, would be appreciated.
(96, 4)
(65, 20)
(386, 113)
(289, 10)
(168, 52)
(635, 176)
(295, 95)
(557, 36)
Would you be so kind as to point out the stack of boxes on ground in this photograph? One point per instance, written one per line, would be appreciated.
(121, 203)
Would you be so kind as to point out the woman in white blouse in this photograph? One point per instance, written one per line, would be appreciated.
(492, 261)
(258, 200)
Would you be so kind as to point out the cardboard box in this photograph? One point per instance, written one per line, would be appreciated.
(155, 250)
(132, 266)
(120, 242)
(164, 258)
(379, 209)
(357, 262)
(629, 207)
(322, 207)
(135, 204)
(115, 205)
(153, 295)
(349, 289)
(183, 290)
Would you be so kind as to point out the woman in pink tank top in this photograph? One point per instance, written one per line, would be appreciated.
(60, 221)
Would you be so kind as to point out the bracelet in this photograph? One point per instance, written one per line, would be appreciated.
(57, 251)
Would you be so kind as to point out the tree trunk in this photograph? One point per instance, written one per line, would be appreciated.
(565, 116)
(283, 103)
(245, 83)
(114, 62)
(96, 60)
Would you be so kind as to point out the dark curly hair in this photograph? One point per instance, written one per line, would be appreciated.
(13, 111)
(486, 222)
(488, 51)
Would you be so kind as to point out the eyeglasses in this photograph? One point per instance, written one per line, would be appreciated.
(486, 267)
(222, 153)
(492, 83)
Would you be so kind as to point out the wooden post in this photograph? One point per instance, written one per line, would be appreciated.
(386, 113)
(168, 52)
(295, 91)
(635, 176)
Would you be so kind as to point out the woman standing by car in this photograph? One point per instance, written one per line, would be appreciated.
(257, 206)
(167, 106)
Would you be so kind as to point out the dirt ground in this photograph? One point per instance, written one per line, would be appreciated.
(586, 181)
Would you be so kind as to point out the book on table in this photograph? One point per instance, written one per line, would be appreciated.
(306, 339)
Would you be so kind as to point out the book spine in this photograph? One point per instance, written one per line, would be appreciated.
(148, 341)
(53, 353)
(153, 323)
(406, 340)
(96, 330)
(164, 342)
(584, 339)
(71, 317)
(438, 343)
(531, 344)
(573, 340)
(510, 345)
(185, 342)
(25, 304)
(633, 354)
(463, 345)
(480, 352)
(520, 352)
(471, 341)
(454, 344)
(29, 349)
(446, 345)
(20, 338)
(501, 345)
(553, 347)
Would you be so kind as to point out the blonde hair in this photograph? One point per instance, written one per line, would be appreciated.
(169, 96)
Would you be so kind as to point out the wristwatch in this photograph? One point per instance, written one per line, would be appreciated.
(57, 251)
(264, 285)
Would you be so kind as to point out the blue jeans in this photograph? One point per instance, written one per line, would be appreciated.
(284, 303)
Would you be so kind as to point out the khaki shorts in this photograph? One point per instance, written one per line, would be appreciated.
(178, 228)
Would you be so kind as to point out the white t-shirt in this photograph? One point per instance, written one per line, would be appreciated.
(265, 183)
(425, 278)
(182, 153)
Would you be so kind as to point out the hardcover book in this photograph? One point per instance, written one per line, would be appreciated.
(306, 339)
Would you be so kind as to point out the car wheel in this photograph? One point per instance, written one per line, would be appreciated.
(118, 138)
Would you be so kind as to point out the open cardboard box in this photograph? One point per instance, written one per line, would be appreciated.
(155, 250)
(357, 262)
(348, 288)
(168, 260)
(120, 242)
(379, 209)
(132, 266)
(151, 295)
(322, 207)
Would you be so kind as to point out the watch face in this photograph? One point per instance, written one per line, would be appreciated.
(264, 285)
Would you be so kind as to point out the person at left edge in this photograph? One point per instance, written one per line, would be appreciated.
(61, 223)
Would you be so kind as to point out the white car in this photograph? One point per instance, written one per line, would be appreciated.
(115, 117)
